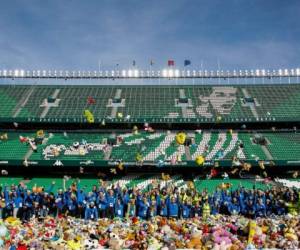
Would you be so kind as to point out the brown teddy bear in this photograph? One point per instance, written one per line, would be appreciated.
(195, 241)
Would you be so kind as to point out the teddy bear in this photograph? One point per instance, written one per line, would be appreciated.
(195, 240)
(91, 244)
(115, 243)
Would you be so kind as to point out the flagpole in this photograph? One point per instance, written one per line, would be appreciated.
(219, 71)
(201, 66)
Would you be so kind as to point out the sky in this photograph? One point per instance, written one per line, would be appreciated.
(86, 34)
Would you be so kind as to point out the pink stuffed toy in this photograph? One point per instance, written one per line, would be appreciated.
(221, 235)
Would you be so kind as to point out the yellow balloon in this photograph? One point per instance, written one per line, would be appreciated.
(120, 115)
(200, 160)
(180, 138)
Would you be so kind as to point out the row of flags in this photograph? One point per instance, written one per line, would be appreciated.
(169, 63)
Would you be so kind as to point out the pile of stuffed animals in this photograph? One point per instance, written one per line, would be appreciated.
(215, 232)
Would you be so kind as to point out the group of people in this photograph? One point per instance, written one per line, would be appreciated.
(103, 201)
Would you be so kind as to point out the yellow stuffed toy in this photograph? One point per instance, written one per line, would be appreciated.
(180, 138)
(200, 160)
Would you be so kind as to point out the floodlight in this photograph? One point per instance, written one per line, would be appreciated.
(27, 73)
(188, 73)
(112, 73)
(136, 73)
(234, 72)
(44, 73)
(148, 73)
(4, 72)
(194, 73)
(123, 73)
(183, 73)
(130, 73)
(153, 74)
(164, 73)
(142, 73)
(292, 72)
(280, 72)
(298, 72)
(158, 73)
(100, 73)
(106, 73)
(286, 72)
(10, 73)
(16, 73)
(177, 73)
(263, 72)
(170, 73)
(257, 72)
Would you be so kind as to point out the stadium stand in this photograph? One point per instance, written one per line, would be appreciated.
(160, 146)
(145, 103)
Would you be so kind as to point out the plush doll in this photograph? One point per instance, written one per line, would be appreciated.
(195, 240)
(90, 244)
(115, 243)
(221, 235)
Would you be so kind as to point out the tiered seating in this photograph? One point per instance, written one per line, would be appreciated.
(146, 102)
(284, 146)
(277, 101)
(252, 151)
(153, 148)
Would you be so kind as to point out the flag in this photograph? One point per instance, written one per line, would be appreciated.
(151, 62)
(133, 63)
(171, 63)
(187, 62)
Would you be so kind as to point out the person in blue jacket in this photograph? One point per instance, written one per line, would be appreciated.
(280, 207)
(163, 210)
(269, 207)
(250, 209)
(102, 204)
(60, 202)
(196, 210)
(143, 208)
(186, 209)
(91, 212)
(72, 204)
(173, 208)
(111, 199)
(119, 209)
(260, 209)
(234, 207)
(27, 207)
(215, 207)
